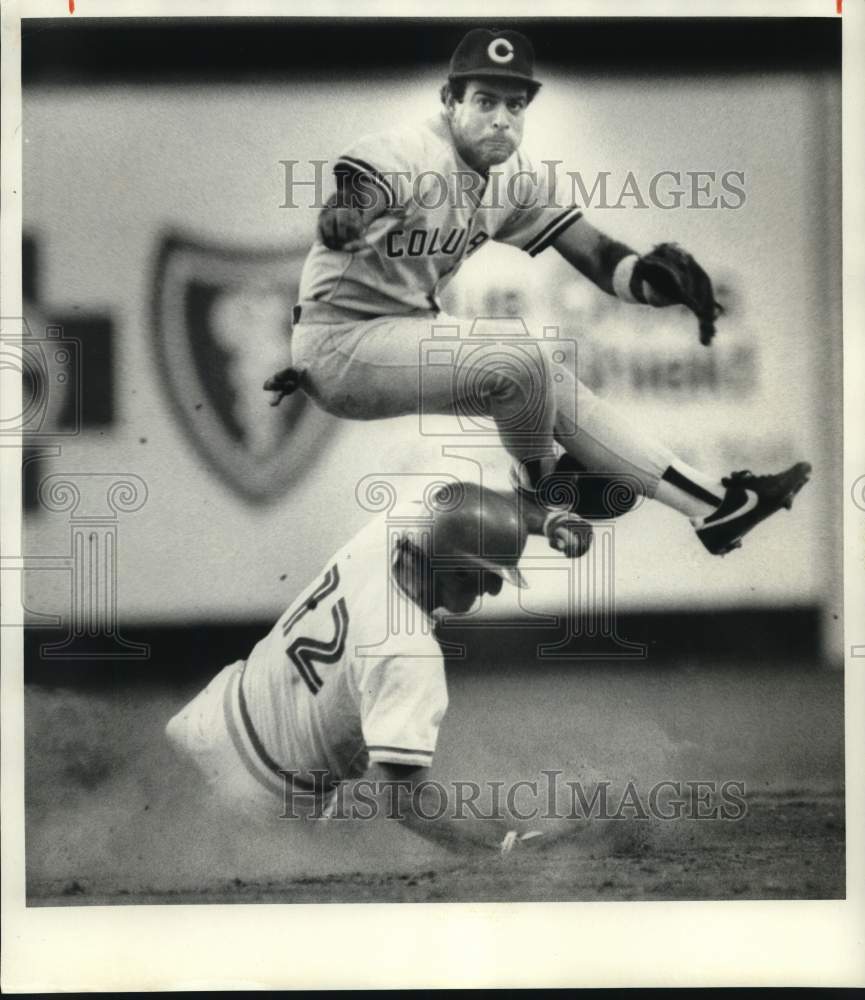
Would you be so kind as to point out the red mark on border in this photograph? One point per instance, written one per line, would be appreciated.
(838, 5)
(72, 6)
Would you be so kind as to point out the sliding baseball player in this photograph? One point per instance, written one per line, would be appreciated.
(350, 681)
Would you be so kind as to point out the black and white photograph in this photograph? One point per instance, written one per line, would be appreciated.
(432, 470)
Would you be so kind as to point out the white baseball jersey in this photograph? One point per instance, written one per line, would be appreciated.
(439, 213)
(351, 673)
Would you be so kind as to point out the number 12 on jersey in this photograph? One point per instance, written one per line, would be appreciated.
(304, 652)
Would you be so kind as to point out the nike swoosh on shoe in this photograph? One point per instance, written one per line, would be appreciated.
(751, 501)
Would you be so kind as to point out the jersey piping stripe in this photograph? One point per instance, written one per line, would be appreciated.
(257, 745)
(369, 170)
(265, 779)
(260, 765)
(372, 173)
(551, 231)
(392, 757)
(401, 751)
(327, 586)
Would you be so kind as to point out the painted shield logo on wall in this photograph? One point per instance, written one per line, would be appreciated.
(222, 319)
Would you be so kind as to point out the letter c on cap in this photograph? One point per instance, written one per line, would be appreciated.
(500, 50)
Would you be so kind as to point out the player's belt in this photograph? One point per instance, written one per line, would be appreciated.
(324, 312)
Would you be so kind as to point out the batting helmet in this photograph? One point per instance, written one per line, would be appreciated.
(474, 527)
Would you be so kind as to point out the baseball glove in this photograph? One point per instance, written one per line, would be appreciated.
(674, 274)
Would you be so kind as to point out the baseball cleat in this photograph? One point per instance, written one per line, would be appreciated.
(749, 500)
(597, 495)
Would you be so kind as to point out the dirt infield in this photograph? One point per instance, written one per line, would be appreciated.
(112, 817)
(785, 848)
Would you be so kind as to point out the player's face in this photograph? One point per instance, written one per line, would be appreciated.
(458, 590)
(487, 125)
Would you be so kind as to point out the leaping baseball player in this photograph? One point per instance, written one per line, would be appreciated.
(350, 681)
(411, 206)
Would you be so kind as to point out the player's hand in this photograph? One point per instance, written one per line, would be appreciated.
(569, 534)
(342, 229)
(512, 839)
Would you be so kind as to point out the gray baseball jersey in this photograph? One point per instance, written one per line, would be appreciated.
(439, 213)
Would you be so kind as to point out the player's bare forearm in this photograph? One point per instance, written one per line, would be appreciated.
(407, 796)
(454, 834)
(480, 835)
(592, 253)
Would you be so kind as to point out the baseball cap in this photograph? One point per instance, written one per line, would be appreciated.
(484, 53)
